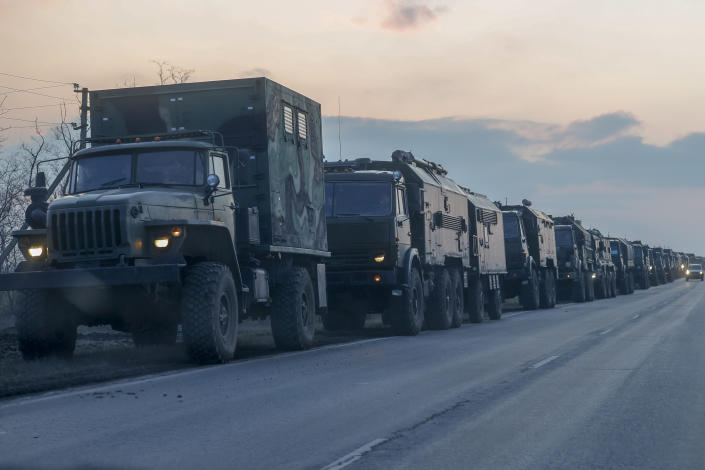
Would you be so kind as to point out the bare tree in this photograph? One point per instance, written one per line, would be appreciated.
(170, 73)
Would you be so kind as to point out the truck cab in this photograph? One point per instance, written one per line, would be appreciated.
(623, 259)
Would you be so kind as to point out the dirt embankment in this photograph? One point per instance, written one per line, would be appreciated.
(103, 354)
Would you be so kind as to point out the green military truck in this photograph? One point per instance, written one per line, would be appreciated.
(197, 204)
(606, 277)
(623, 258)
(577, 270)
(642, 264)
(530, 245)
(400, 237)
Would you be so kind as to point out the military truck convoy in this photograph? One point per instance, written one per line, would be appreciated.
(194, 206)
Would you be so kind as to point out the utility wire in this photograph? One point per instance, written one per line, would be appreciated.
(35, 79)
(15, 90)
(30, 120)
(36, 93)
(30, 107)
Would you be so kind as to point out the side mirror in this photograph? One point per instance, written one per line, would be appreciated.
(212, 181)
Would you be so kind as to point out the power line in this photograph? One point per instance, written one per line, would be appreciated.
(15, 90)
(35, 79)
(26, 127)
(31, 107)
(36, 93)
(29, 120)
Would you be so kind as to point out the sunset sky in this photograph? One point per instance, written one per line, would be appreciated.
(574, 104)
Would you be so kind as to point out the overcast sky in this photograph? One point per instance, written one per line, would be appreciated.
(594, 107)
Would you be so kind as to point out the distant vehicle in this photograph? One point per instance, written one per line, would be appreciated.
(167, 224)
(641, 265)
(576, 260)
(606, 280)
(669, 264)
(659, 264)
(694, 271)
(623, 258)
(530, 245)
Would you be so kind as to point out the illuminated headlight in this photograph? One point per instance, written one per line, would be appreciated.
(594, 275)
(379, 258)
(161, 242)
(682, 266)
(36, 251)
(687, 271)
(650, 268)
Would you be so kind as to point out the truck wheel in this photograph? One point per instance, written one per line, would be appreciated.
(579, 290)
(209, 313)
(408, 314)
(590, 295)
(602, 288)
(549, 290)
(458, 299)
(529, 295)
(440, 315)
(294, 310)
(44, 326)
(494, 304)
(476, 301)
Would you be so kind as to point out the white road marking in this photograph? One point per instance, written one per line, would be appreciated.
(168, 375)
(606, 331)
(353, 456)
(544, 362)
(510, 315)
(636, 316)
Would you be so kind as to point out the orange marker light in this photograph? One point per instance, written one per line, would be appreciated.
(138, 139)
(176, 232)
(377, 278)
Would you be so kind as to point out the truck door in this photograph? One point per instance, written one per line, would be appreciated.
(402, 222)
(223, 209)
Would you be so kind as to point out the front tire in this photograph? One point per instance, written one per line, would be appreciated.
(408, 315)
(494, 307)
(209, 312)
(294, 310)
(529, 293)
(44, 326)
(458, 299)
(476, 301)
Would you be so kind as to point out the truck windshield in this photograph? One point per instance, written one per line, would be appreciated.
(112, 170)
(511, 226)
(358, 198)
(564, 238)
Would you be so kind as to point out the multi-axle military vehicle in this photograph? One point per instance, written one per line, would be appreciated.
(669, 264)
(623, 258)
(605, 276)
(197, 204)
(404, 244)
(659, 264)
(530, 245)
(642, 265)
(577, 269)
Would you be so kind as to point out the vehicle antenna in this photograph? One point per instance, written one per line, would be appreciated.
(340, 142)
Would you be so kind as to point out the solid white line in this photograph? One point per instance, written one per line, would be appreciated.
(606, 331)
(353, 456)
(635, 316)
(52, 395)
(544, 362)
(510, 315)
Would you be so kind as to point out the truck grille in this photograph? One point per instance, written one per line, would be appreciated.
(351, 260)
(86, 232)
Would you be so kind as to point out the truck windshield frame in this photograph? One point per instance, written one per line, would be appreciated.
(511, 226)
(114, 169)
(359, 198)
(564, 238)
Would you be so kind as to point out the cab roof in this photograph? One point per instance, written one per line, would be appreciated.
(152, 145)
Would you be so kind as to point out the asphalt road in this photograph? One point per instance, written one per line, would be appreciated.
(613, 383)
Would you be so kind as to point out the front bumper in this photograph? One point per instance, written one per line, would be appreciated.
(694, 275)
(567, 275)
(366, 278)
(93, 277)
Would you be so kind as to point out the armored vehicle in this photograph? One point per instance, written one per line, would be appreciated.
(605, 276)
(623, 258)
(165, 223)
(659, 264)
(530, 245)
(402, 244)
(641, 264)
(576, 260)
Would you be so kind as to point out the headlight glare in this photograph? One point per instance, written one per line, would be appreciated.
(36, 251)
(379, 258)
(161, 242)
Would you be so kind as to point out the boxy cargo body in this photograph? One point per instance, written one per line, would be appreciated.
(272, 133)
(642, 265)
(606, 280)
(530, 246)
(213, 187)
(623, 258)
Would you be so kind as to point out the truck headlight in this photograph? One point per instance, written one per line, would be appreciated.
(161, 242)
(687, 271)
(36, 251)
(379, 258)
(594, 275)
